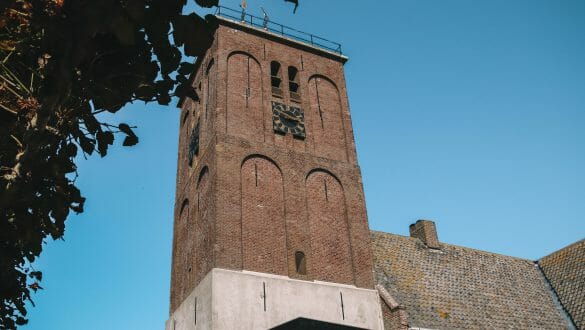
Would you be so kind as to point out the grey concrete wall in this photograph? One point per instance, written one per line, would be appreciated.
(196, 307)
(247, 300)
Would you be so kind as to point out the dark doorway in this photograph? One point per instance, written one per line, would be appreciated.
(306, 324)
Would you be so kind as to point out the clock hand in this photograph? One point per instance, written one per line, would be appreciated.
(286, 115)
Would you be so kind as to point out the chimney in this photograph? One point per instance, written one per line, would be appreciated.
(426, 231)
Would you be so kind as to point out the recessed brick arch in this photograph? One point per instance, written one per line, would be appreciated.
(184, 205)
(180, 252)
(330, 244)
(208, 102)
(263, 224)
(203, 233)
(202, 174)
(275, 163)
(244, 116)
(326, 118)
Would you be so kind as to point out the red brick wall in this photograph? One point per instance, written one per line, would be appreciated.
(231, 230)
(263, 228)
(394, 319)
(329, 258)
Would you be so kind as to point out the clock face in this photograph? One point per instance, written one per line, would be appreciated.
(288, 120)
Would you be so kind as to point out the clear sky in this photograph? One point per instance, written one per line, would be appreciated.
(469, 113)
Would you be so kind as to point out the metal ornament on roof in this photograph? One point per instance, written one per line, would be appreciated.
(266, 19)
(243, 5)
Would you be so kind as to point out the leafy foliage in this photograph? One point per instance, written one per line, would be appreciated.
(62, 62)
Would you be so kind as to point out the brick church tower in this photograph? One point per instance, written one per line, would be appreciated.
(270, 228)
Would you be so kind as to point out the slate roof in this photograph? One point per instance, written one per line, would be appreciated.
(462, 288)
(565, 270)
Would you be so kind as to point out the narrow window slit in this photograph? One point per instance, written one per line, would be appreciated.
(208, 92)
(248, 88)
(319, 103)
(256, 173)
(207, 98)
(301, 263)
(276, 79)
(326, 191)
(293, 84)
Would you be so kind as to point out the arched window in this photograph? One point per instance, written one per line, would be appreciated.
(300, 263)
(293, 84)
(276, 79)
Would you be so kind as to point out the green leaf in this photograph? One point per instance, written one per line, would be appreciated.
(21, 320)
(70, 150)
(125, 128)
(194, 32)
(68, 166)
(130, 141)
(145, 92)
(37, 275)
(186, 68)
(104, 139)
(131, 138)
(186, 90)
(91, 122)
(164, 99)
(207, 3)
(77, 207)
(124, 31)
(135, 9)
(169, 58)
(87, 144)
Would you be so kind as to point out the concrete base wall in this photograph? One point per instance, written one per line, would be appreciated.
(228, 299)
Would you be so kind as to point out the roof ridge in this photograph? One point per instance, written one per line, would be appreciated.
(460, 247)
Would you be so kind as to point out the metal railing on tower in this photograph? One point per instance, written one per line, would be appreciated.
(266, 24)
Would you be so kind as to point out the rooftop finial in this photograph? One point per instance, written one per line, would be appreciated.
(266, 18)
(243, 5)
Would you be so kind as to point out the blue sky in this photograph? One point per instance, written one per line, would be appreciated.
(470, 113)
